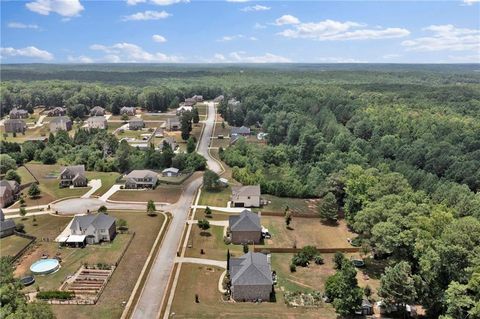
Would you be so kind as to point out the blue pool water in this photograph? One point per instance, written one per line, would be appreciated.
(44, 266)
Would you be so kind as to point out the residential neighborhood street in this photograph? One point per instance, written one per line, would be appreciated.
(150, 301)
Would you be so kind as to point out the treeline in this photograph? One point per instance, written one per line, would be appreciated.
(100, 151)
(79, 98)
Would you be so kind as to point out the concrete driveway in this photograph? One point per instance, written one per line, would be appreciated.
(95, 184)
(110, 192)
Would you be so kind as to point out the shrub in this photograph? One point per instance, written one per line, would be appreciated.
(55, 294)
(318, 260)
(293, 268)
(20, 228)
(227, 240)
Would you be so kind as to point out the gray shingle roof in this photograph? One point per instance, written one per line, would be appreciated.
(251, 269)
(142, 173)
(250, 190)
(99, 221)
(171, 169)
(74, 170)
(60, 119)
(246, 221)
(240, 130)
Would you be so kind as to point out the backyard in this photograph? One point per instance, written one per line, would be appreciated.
(203, 280)
(124, 277)
(12, 245)
(306, 231)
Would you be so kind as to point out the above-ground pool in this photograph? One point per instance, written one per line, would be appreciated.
(44, 266)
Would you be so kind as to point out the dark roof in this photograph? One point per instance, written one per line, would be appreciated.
(4, 185)
(18, 121)
(142, 173)
(250, 190)
(74, 169)
(18, 111)
(240, 130)
(5, 223)
(246, 221)
(101, 220)
(61, 119)
(251, 269)
(136, 120)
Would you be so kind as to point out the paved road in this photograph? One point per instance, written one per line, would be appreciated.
(150, 300)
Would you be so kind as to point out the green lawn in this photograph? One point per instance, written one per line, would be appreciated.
(162, 193)
(108, 180)
(300, 205)
(211, 241)
(11, 245)
(216, 215)
(219, 198)
(25, 175)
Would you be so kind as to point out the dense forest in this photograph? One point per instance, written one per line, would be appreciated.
(398, 147)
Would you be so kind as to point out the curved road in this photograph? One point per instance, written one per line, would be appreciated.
(150, 301)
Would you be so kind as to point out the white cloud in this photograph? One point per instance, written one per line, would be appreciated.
(445, 37)
(337, 30)
(159, 38)
(128, 52)
(29, 52)
(470, 2)
(167, 2)
(259, 26)
(79, 59)
(287, 19)
(242, 57)
(147, 15)
(238, 1)
(66, 8)
(227, 38)
(254, 8)
(19, 25)
(135, 2)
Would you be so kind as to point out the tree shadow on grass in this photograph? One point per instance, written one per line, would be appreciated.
(205, 234)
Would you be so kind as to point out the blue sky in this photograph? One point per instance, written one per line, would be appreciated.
(239, 31)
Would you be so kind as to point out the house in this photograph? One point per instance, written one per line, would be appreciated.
(184, 108)
(57, 111)
(98, 122)
(251, 277)
(91, 229)
(18, 114)
(219, 99)
(141, 179)
(61, 123)
(159, 132)
(73, 175)
(198, 98)
(170, 172)
(15, 126)
(190, 102)
(170, 141)
(135, 124)
(8, 192)
(366, 309)
(97, 111)
(246, 196)
(7, 226)
(130, 111)
(240, 131)
(173, 124)
(245, 228)
(223, 182)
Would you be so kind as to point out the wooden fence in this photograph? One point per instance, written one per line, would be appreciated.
(294, 214)
(24, 249)
(284, 250)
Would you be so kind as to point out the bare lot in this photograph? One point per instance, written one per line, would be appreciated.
(162, 193)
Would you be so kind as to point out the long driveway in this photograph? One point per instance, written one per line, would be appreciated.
(150, 301)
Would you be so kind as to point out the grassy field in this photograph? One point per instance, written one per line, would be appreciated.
(224, 143)
(108, 179)
(306, 231)
(216, 215)
(25, 175)
(29, 133)
(219, 198)
(219, 130)
(162, 193)
(203, 280)
(300, 205)
(211, 241)
(112, 126)
(124, 278)
(11, 245)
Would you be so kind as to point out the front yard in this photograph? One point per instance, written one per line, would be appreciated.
(211, 241)
(162, 193)
(215, 198)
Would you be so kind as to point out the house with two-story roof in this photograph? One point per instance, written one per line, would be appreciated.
(7, 226)
(239, 131)
(245, 228)
(130, 111)
(57, 111)
(173, 124)
(141, 178)
(61, 123)
(190, 102)
(251, 277)
(90, 229)
(245, 196)
(8, 192)
(18, 114)
(97, 122)
(97, 111)
(136, 124)
(73, 175)
(15, 126)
